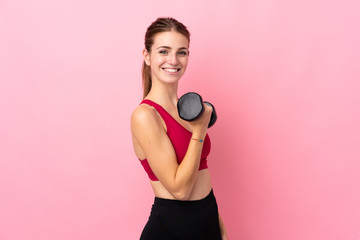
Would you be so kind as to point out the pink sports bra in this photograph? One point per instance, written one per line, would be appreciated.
(180, 138)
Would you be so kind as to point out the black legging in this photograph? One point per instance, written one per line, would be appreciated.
(180, 220)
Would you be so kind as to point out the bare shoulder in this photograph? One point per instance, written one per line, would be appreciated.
(143, 119)
(142, 114)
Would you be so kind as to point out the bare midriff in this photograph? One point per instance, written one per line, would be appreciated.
(201, 189)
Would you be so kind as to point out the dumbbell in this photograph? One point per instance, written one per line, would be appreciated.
(190, 107)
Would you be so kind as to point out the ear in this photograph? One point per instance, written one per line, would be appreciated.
(146, 56)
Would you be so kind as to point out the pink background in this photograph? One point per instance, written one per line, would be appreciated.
(283, 76)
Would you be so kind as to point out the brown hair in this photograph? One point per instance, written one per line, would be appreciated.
(160, 25)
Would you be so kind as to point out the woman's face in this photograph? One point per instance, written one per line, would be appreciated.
(168, 57)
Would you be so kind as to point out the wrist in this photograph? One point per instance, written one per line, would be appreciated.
(197, 139)
(198, 135)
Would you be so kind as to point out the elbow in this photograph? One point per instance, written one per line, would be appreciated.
(181, 189)
(182, 195)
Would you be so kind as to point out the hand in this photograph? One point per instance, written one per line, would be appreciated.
(200, 125)
(224, 236)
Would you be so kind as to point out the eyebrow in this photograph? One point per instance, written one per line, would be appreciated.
(167, 47)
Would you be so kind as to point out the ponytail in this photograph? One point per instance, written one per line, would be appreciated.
(146, 77)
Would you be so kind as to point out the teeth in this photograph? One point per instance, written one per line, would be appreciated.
(172, 70)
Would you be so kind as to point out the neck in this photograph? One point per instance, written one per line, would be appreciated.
(164, 94)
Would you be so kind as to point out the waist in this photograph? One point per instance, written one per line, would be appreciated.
(201, 187)
(188, 203)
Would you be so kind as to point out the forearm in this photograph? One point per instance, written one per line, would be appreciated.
(188, 169)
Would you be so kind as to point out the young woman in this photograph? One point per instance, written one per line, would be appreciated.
(172, 151)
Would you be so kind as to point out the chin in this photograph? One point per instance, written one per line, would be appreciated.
(173, 79)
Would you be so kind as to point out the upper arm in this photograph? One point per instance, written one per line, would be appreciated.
(147, 129)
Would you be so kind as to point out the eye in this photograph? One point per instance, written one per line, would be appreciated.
(163, 52)
(184, 53)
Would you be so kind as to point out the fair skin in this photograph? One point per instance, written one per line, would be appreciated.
(168, 59)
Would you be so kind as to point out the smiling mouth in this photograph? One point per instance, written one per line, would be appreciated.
(171, 70)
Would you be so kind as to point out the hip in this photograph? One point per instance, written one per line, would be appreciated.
(175, 219)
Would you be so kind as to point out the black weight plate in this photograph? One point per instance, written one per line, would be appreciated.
(190, 106)
(213, 117)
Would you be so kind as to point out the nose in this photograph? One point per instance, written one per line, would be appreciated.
(173, 59)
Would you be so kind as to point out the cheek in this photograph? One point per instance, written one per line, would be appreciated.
(156, 63)
(160, 61)
(156, 60)
(184, 62)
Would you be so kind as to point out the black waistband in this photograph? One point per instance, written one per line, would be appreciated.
(188, 203)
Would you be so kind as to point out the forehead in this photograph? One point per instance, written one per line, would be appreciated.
(171, 39)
